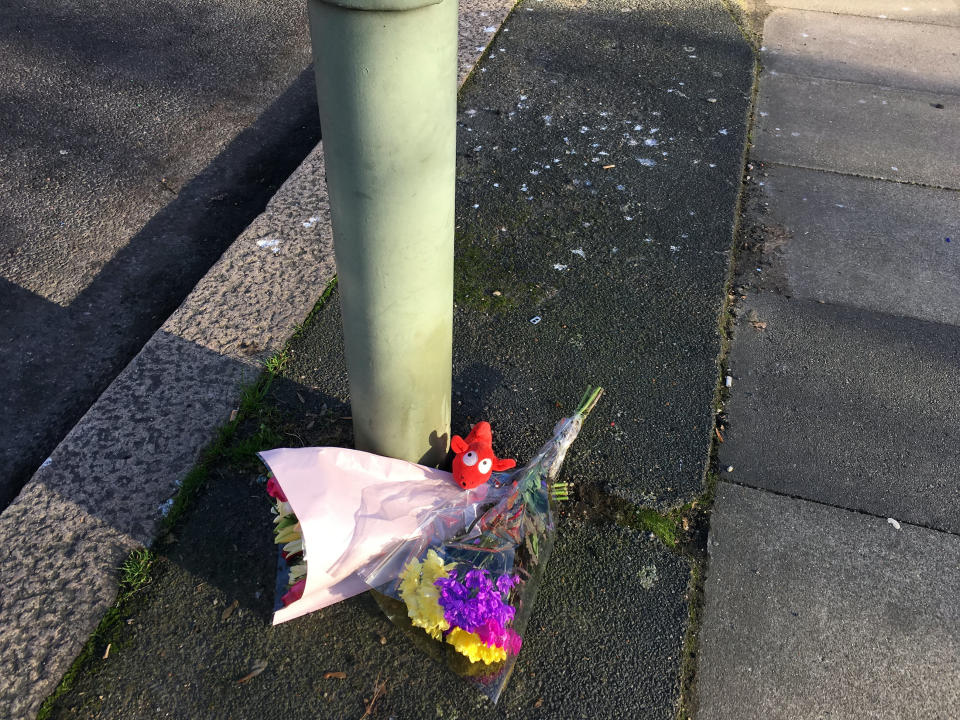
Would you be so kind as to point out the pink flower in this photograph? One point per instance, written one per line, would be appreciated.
(274, 490)
(294, 593)
(493, 633)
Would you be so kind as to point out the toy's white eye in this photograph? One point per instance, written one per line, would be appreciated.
(470, 459)
(484, 466)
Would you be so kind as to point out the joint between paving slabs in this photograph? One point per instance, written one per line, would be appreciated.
(863, 176)
(749, 17)
(695, 550)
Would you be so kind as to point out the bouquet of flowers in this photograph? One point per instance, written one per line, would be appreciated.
(459, 572)
(473, 592)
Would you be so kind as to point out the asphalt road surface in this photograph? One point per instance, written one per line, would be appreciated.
(137, 139)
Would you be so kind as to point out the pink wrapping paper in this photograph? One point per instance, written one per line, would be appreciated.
(353, 506)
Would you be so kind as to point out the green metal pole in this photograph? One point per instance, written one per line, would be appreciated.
(386, 74)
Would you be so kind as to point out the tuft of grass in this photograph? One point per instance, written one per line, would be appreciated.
(276, 363)
(135, 571)
(133, 575)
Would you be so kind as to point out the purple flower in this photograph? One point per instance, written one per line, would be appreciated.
(505, 582)
(475, 600)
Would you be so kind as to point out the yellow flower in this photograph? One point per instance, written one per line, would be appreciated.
(422, 597)
(470, 644)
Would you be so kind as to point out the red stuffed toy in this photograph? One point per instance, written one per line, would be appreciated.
(474, 459)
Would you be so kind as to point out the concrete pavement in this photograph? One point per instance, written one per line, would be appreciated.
(548, 228)
(834, 542)
(106, 486)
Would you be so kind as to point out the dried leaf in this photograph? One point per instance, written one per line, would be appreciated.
(229, 611)
(335, 675)
(106, 653)
(233, 415)
(538, 703)
(608, 167)
(258, 667)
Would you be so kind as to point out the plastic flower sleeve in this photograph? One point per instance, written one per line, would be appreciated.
(338, 510)
(467, 599)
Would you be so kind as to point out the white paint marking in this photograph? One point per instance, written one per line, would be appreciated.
(271, 243)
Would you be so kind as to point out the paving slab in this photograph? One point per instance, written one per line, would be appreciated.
(883, 246)
(913, 56)
(104, 488)
(595, 206)
(858, 129)
(604, 640)
(846, 407)
(936, 12)
(818, 612)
